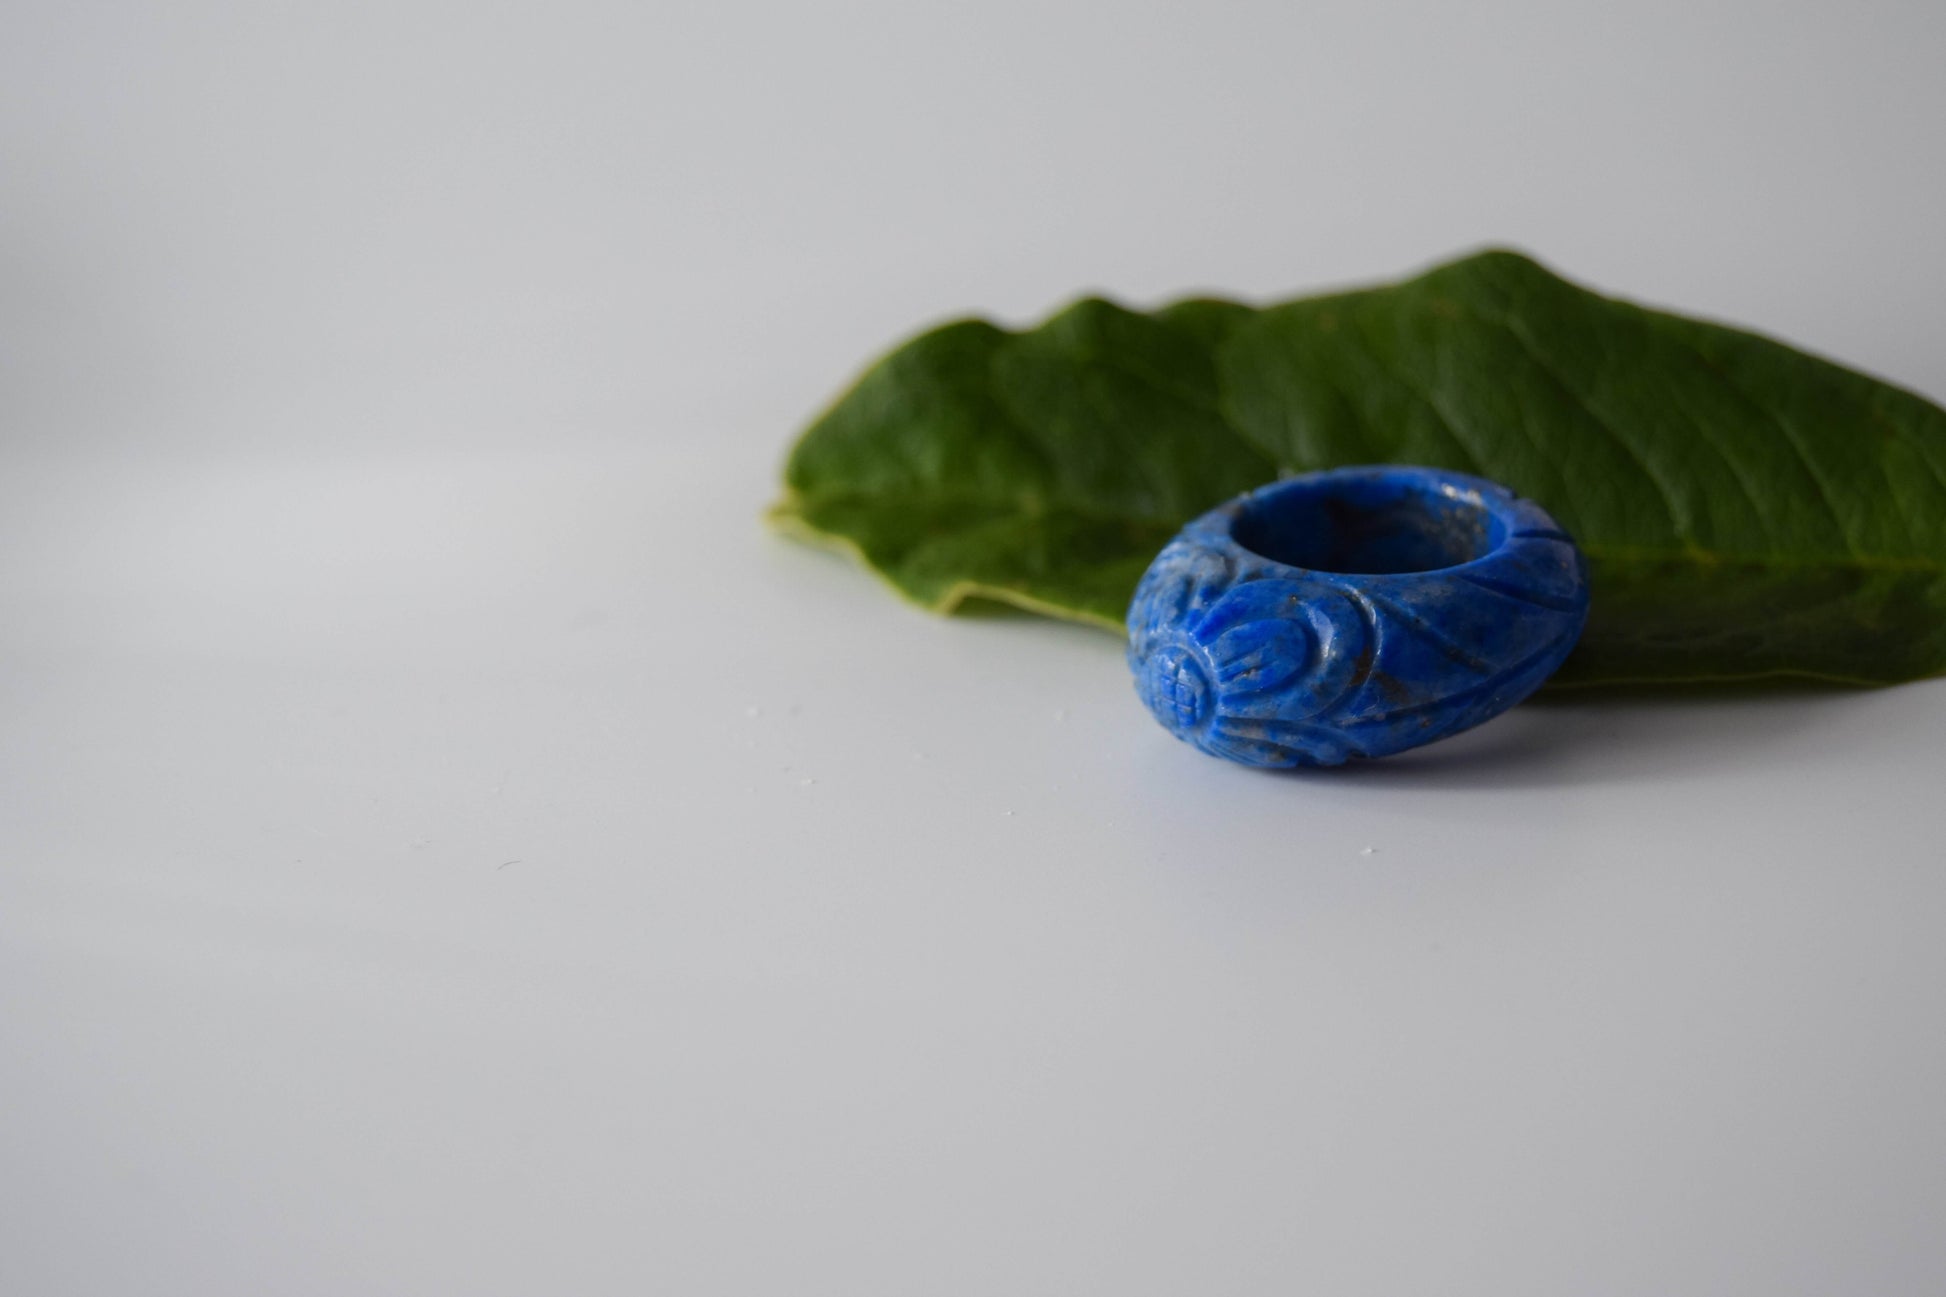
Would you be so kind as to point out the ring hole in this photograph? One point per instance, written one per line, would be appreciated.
(1372, 526)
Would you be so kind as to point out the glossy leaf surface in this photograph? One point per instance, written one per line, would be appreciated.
(1747, 510)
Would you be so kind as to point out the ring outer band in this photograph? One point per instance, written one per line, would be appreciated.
(1269, 664)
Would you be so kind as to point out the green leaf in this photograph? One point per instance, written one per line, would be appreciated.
(1748, 511)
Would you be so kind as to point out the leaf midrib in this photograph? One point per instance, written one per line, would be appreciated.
(1701, 559)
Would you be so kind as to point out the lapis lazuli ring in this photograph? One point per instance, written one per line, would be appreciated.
(1353, 613)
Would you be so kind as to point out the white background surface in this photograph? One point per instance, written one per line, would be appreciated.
(450, 848)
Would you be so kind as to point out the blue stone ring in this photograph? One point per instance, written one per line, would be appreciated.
(1353, 613)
